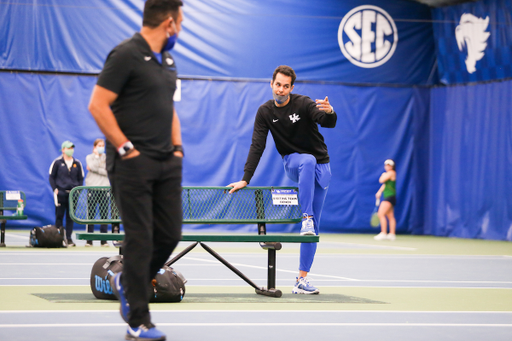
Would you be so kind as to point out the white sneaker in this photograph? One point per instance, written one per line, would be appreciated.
(302, 286)
(391, 236)
(381, 236)
(308, 227)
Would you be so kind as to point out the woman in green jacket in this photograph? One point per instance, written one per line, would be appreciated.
(386, 208)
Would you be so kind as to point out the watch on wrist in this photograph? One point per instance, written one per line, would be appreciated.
(126, 148)
(179, 148)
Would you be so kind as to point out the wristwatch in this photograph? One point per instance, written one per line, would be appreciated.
(179, 148)
(126, 148)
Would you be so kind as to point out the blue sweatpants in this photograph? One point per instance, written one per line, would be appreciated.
(313, 180)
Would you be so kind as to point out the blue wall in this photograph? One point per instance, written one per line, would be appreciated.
(470, 183)
(226, 54)
(374, 123)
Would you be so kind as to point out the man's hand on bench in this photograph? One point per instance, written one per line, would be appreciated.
(237, 185)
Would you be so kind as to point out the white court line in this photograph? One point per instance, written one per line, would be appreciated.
(44, 285)
(17, 236)
(90, 264)
(280, 270)
(372, 246)
(45, 264)
(69, 252)
(266, 311)
(429, 281)
(245, 324)
(281, 280)
(49, 279)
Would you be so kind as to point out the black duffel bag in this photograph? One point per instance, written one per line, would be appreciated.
(47, 236)
(167, 286)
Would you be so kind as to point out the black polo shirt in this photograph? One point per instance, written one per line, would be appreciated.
(145, 89)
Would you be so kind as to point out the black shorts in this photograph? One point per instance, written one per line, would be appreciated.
(391, 199)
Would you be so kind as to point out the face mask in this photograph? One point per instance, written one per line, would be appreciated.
(100, 150)
(69, 152)
(171, 40)
(280, 99)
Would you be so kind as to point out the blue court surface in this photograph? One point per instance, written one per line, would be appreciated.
(417, 288)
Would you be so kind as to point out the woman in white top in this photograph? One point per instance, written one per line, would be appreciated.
(97, 176)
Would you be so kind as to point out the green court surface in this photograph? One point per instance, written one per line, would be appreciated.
(243, 298)
(452, 264)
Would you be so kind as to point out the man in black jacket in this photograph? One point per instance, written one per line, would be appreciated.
(293, 122)
(66, 173)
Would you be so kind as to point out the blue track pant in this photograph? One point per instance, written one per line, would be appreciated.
(313, 180)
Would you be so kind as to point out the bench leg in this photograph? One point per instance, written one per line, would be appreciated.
(271, 275)
(181, 254)
(2, 237)
(231, 267)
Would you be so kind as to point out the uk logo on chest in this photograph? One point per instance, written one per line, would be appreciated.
(294, 118)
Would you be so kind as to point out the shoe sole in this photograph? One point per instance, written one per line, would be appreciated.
(307, 233)
(133, 338)
(304, 292)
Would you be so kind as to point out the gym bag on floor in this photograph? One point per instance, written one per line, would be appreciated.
(167, 286)
(102, 270)
(47, 236)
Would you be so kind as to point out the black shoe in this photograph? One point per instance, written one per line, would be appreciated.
(70, 242)
(88, 243)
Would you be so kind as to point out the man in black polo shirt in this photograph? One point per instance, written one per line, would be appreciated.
(132, 104)
(293, 122)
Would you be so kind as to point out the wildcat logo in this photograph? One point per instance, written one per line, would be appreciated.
(103, 285)
(367, 36)
(470, 33)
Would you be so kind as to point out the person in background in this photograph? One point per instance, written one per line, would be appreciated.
(97, 176)
(386, 208)
(66, 173)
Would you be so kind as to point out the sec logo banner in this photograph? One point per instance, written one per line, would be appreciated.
(367, 36)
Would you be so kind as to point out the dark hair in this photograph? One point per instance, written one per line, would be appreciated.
(156, 11)
(285, 70)
(97, 141)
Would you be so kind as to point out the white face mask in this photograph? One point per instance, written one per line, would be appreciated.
(100, 150)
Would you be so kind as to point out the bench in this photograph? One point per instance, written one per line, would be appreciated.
(214, 205)
(9, 202)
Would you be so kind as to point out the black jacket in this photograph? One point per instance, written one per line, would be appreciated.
(294, 128)
(63, 178)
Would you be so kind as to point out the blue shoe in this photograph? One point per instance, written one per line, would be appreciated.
(143, 332)
(308, 228)
(118, 290)
(302, 286)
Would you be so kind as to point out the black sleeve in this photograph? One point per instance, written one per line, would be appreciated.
(259, 141)
(53, 175)
(321, 117)
(116, 70)
(80, 174)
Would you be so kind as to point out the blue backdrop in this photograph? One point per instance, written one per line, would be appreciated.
(220, 38)
(452, 145)
(41, 111)
(481, 29)
(470, 183)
